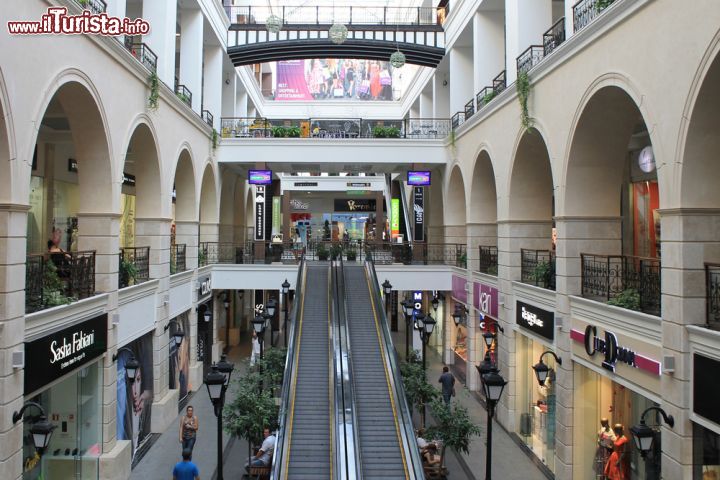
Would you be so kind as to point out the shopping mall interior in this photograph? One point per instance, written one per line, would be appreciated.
(294, 215)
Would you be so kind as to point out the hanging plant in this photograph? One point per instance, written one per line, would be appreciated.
(154, 99)
(214, 139)
(523, 91)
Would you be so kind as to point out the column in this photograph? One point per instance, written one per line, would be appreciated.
(212, 91)
(155, 233)
(191, 53)
(569, 19)
(441, 95)
(116, 8)
(187, 233)
(101, 232)
(488, 47)
(461, 76)
(229, 89)
(161, 39)
(426, 103)
(379, 217)
(13, 229)
(478, 234)
(472, 377)
(525, 23)
(241, 101)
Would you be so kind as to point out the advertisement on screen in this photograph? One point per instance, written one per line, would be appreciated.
(418, 179)
(260, 177)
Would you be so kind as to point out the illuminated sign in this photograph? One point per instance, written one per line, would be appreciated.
(260, 177)
(419, 179)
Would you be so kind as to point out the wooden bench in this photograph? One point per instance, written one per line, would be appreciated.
(435, 472)
(259, 473)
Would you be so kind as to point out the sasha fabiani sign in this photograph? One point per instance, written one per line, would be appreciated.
(54, 355)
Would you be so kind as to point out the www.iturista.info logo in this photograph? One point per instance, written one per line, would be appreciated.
(57, 21)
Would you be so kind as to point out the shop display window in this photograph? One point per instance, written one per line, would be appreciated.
(74, 406)
(706, 453)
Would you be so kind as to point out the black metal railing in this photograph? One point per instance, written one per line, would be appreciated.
(257, 15)
(621, 280)
(134, 267)
(210, 253)
(488, 260)
(484, 97)
(469, 109)
(178, 261)
(142, 53)
(207, 117)
(184, 94)
(537, 267)
(334, 128)
(712, 294)
(554, 37)
(457, 119)
(54, 279)
(500, 82)
(585, 11)
(95, 6)
(529, 58)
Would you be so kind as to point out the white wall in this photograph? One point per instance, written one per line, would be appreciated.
(461, 78)
(526, 21)
(488, 48)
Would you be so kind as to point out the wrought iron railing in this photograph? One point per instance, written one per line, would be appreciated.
(54, 279)
(500, 82)
(712, 294)
(178, 262)
(207, 117)
(488, 260)
(537, 267)
(529, 58)
(554, 37)
(142, 53)
(452, 254)
(585, 11)
(484, 97)
(257, 15)
(184, 94)
(134, 266)
(625, 281)
(222, 252)
(457, 120)
(95, 6)
(427, 127)
(469, 109)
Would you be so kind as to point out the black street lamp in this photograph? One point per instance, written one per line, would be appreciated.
(41, 430)
(435, 302)
(426, 324)
(407, 307)
(285, 290)
(459, 314)
(269, 314)
(226, 305)
(178, 335)
(387, 289)
(493, 385)
(216, 383)
(644, 435)
(259, 326)
(131, 365)
(486, 366)
(541, 370)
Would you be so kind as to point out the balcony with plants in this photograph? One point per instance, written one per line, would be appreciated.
(58, 278)
(134, 267)
(537, 267)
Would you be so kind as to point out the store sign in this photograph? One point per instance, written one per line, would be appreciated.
(538, 321)
(51, 357)
(395, 217)
(204, 287)
(612, 351)
(259, 212)
(706, 388)
(128, 179)
(355, 205)
(417, 298)
(276, 219)
(358, 184)
(419, 213)
(485, 299)
(305, 184)
(296, 204)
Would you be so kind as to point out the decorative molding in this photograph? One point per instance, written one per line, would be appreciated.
(135, 292)
(644, 327)
(41, 323)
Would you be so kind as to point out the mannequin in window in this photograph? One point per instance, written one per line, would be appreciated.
(605, 440)
(617, 464)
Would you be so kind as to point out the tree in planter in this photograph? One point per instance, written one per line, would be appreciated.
(541, 274)
(322, 252)
(453, 428)
(629, 299)
(272, 367)
(335, 251)
(351, 254)
(418, 391)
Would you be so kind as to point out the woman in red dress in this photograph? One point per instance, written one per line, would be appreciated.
(375, 87)
(617, 467)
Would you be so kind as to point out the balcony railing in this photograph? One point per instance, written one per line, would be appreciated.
(529, 58)
(712, 279)
(457, 120)
(488, 260)
(349, 15)
(585, 11)
(334, 128)
(95, 6)
(177, 258)
(469, 109)
(54, 279)
(554, 37)
(500, 82)
(537, 267)
(207, 117)
(142, 53)
(624, 281)
(452, 254)
(134, 266)
(184, 94)
(484, 97)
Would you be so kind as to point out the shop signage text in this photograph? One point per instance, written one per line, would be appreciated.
(128, 179)
(395, 217)
(259, 212)
(358, 184)
(64, 351)
(417, 298)
(486, 299)
(609, 346)
(205, 286)
(355, 205)
(536, 320)
(305, 184)
(419, 213)
(296, 204)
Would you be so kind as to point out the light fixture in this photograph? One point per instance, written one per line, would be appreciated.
(207, 316)
(643, 435)
(215, 383)
(338, 33)
(435, 303)
(489, 338)
(541, 370)
(387, 287)
(407, 307)
(225, 368)
(258, 324)
(493, 386)
(285, 287)
(178, 337)
(270, 307)
(420, 321)
(41, 430)
(428, 325)
(131, 368)
(273, 24)
(458, 314)
(486, 366)
(397, 59)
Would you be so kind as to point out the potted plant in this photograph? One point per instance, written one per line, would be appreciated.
(293, 132)
(322, 252)
(629, 298)
(379, 131)
(351, 254)
(392, 132)
(418, 392)
(453, 428)
(128, 273)
(335, 251)
(541, 274)
(462, 260)
(326, 230)
(53, 288)
(279, 131)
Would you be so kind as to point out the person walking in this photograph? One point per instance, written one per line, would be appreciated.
(255, 351)
(186, 469)
(448, 385)
(188, 429)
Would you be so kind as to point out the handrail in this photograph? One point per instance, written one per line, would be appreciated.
(290, 367)
(407, 432)
(345, 403)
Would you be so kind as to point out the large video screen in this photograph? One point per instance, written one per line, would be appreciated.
(418, 179)
(260, 177)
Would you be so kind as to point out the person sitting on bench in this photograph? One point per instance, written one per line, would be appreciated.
(264, 455)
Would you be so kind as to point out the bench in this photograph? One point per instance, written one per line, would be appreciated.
(259, 473)
(435, 472)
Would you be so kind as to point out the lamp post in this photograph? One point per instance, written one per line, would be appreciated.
(217, 382)
(407, 308)
(493, 385)
(270, 308)
(226, 304)
(41, 430)
(132, 365)
(541, 370)
(644, 435)
(459, 314)
(387, 290)
(426, 324)
(259, 327)
(285, 290)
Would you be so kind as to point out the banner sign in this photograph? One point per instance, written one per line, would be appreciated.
(538, 321)
(485, 299)
(458, 288)
(56, 354)
(355, 205)
(418, 179)
(259, 177)
(612, 351)
(291, 81)
(276, 219)
(259, 212)
(419, 214)
(395, 217)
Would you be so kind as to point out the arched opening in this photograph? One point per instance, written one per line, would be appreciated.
(482, 217)
(239, 230)
(227, 206)
(6, 173)
(434, 210)
(71, 175)
(455, 218)
(612, 180)
(209, 213)
(183, 230)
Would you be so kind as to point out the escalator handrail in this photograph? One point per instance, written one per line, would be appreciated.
(407, 431)
(281, 443)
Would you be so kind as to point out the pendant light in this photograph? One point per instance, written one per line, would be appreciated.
(338, 32)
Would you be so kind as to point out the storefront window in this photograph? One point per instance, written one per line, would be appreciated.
(180, 357)
(706, 453)
(74, 405)
(536, 404)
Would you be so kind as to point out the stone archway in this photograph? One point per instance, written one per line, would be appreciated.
(209, 211)
(482, 214)
(454, 215)
(227, 206)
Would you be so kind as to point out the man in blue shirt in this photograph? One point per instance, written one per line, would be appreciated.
(186, 470)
